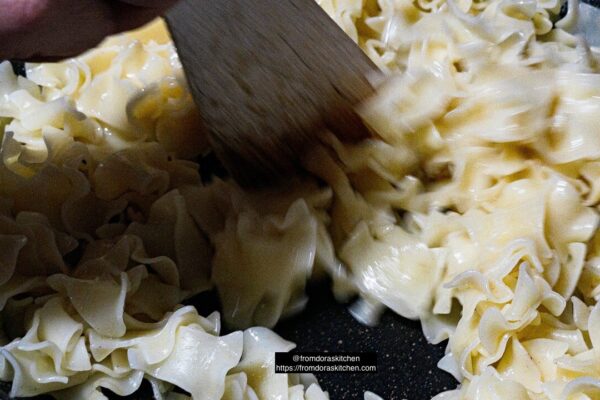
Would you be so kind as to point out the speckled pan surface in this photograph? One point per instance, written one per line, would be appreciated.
(406, 363)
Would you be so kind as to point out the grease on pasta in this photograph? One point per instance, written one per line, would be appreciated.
(473, 208)
(96, 172)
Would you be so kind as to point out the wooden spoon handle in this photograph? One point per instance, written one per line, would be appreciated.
(268, 74)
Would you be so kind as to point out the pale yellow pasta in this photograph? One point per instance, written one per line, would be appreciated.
(473, 208)
(95, 175)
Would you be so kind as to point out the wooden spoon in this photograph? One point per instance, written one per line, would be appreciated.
(268, 76)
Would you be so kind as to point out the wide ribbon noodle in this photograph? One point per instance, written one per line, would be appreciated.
(473, 208)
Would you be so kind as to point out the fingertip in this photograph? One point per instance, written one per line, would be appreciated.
(19, 16)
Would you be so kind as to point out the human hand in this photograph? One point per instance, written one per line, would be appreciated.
(39, 30)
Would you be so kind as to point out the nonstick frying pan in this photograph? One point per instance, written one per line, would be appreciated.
(406, 362)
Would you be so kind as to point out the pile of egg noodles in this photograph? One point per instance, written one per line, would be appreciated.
(473, 208)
